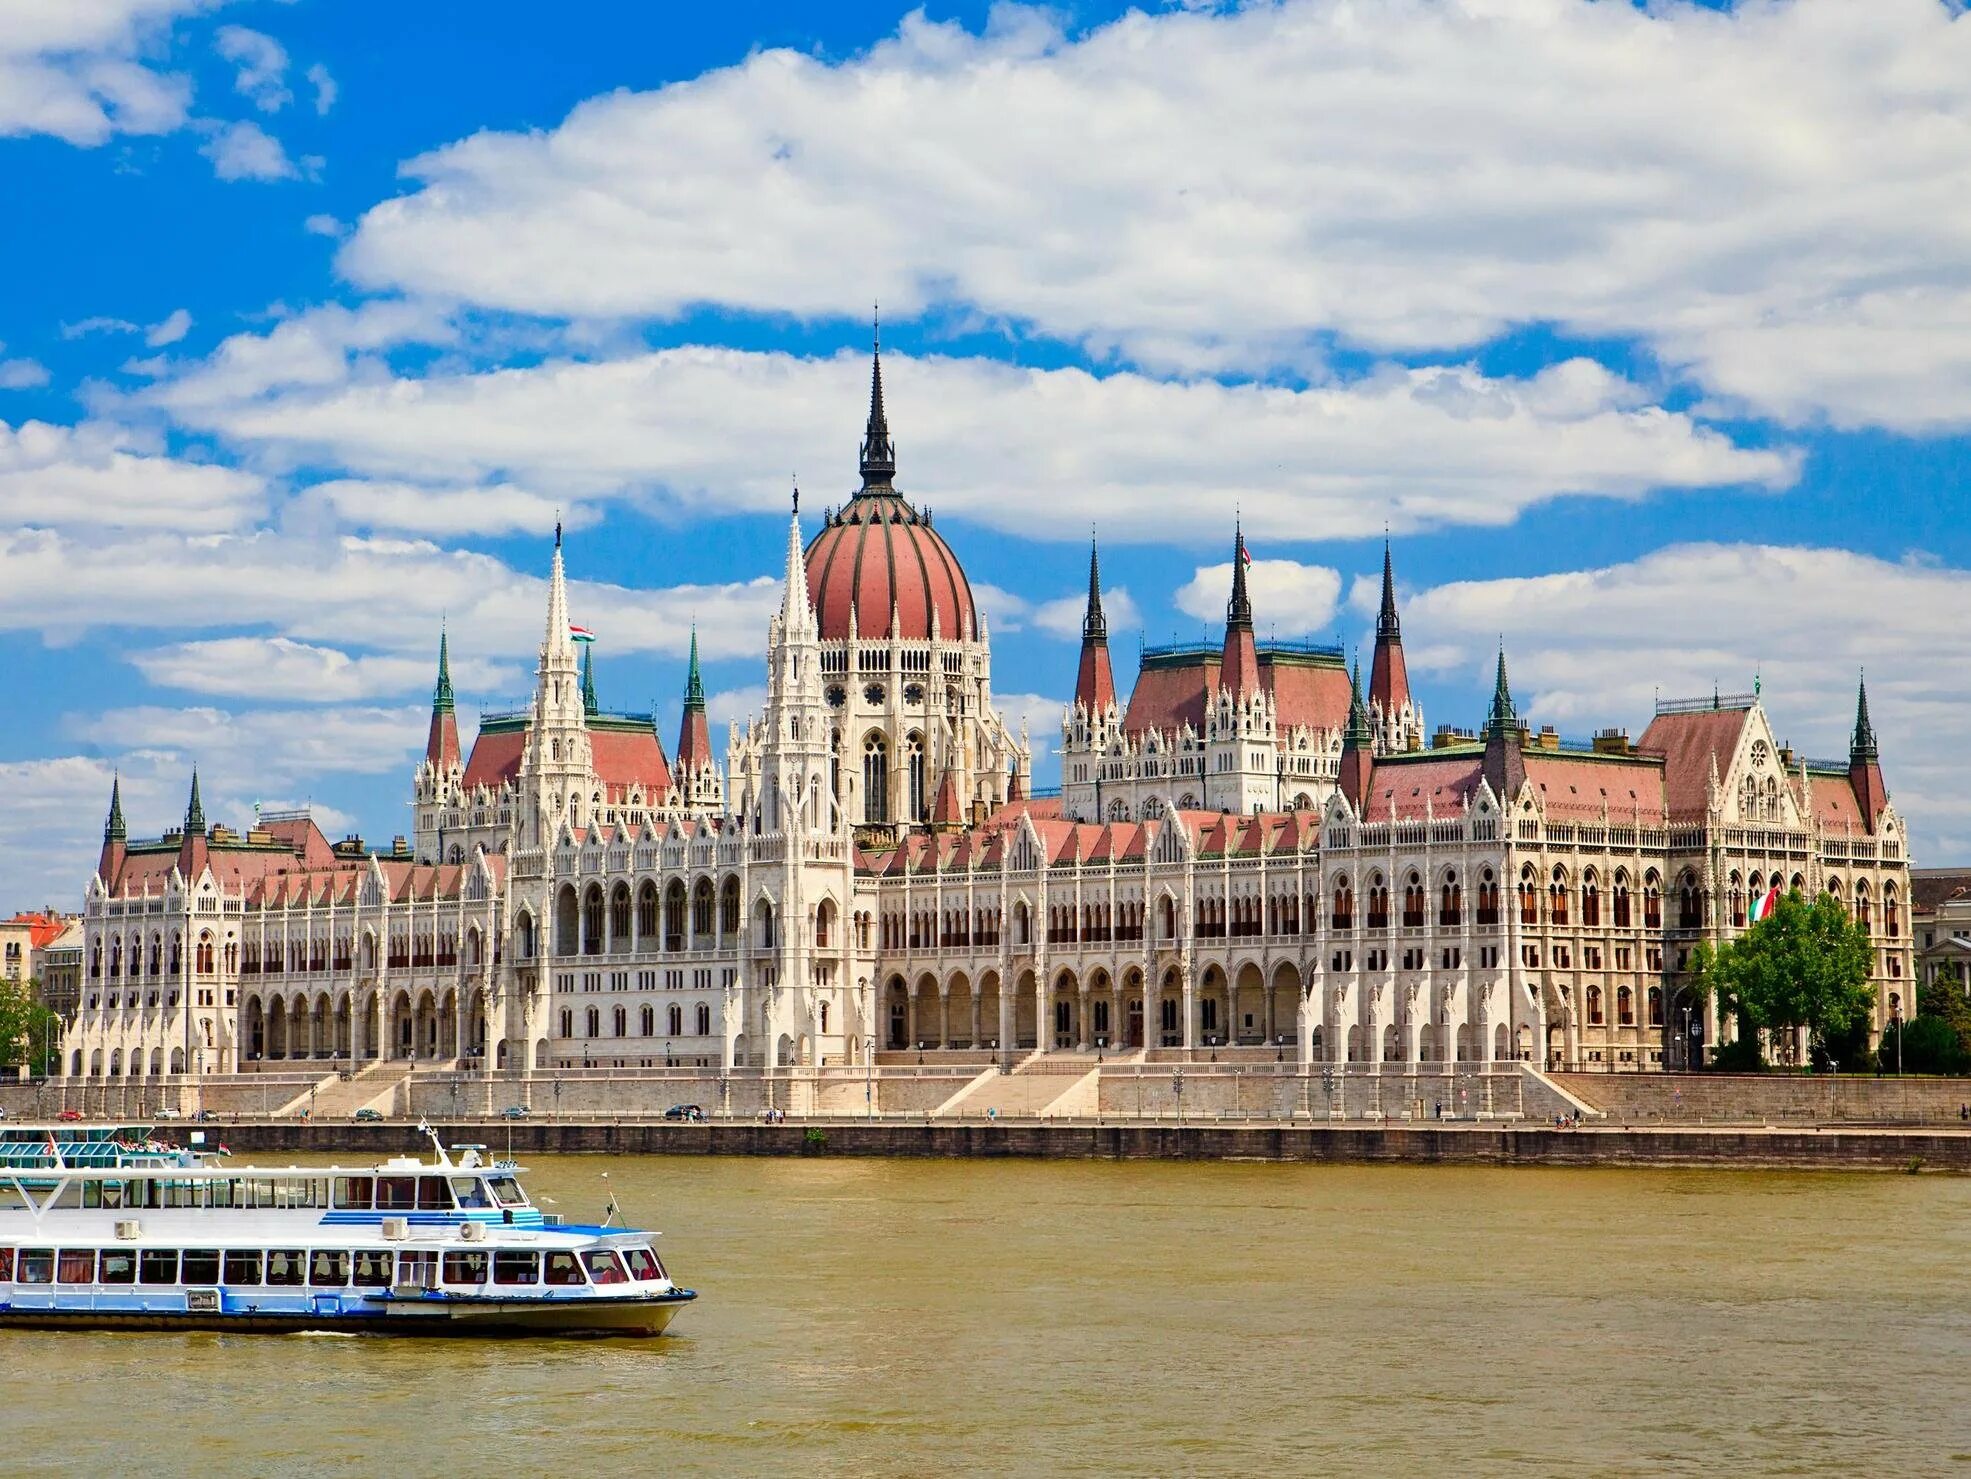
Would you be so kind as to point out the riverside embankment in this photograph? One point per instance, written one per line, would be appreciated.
(1790, 1147)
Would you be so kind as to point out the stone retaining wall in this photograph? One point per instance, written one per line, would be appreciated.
(1721, 1098)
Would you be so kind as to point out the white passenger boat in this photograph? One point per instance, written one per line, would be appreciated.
(105, 1228)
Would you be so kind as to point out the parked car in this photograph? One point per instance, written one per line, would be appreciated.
(514, 1112)
(69, 1116)
(3, 1112)
(684, 1112)
(205, 1116)
(165, 1112)
(366, 1116)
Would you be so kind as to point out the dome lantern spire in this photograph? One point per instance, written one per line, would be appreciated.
(879, 453)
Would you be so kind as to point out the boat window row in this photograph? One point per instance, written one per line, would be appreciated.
(330, 1268)
(344, 1193)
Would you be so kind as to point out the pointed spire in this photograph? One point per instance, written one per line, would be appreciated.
(113, 829)
(1387, 626)
(441, 697)
(879, 455)
(1358, 759)
(589, 705)
(558, 639)
(194, 809)
(1238, 611)
(1359, 731)
(1862, 747)
(1503, 719)
(694, 685)
(795, 602)
(1094, 625)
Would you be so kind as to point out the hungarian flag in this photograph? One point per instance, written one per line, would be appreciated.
(1245, 554)
(1765, 905)
(578, 633)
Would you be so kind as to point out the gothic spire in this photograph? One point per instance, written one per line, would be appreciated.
(879, 455)
(589, 705)
(1359, 731)
(1238, 611)
(557, 639)
(194, 809)
(113, 829)
(1094, 625)
(1387, 626)
(1862, 747)
(694, 686)
(441, 697)
(1503, 720)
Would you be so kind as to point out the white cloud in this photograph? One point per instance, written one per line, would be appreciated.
(1593, 647)
(79, 69)
(735, 706)
(170, 330)
(498, 509)
(96, 475)
(1776, 195)
(22, 374)
(278, 668)
(265, 747)
(262, 66)
(324, 85)
(1287, 597)
(100, 324)
(696, 428)
(246, 151)
(325, 225)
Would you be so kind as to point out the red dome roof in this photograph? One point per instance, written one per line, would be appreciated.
(879, 552)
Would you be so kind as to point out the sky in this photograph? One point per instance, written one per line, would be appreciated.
(1643, 331)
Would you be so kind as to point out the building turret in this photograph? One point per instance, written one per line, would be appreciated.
(1238, 672)
(1095, 684)
(192, 849)
(1358, 748)
(557, 768)
(1505, 761)
(115, 836)
(1864, 763)
(700, 790)
(441, 745)
(1398, 720)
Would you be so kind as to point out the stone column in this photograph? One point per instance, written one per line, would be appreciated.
(978, 1009)
(944, 1014)
(1190, 992)
(1083, 1038)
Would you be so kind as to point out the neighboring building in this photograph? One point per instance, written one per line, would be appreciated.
(23, 937)
(60, 971)
(1249, 854)
(1940, 918)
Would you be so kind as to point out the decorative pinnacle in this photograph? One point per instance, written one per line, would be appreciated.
(589, 704)
(195, 808)
(694, 686)
(441, 697)
(1238, 612)
(1862, 747)
(1094, 625)
(113, 829)
(1359, 732)
(1387, 626)
(879, 455)
(1504, 718)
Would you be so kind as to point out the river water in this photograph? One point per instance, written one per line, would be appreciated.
(915, 1317)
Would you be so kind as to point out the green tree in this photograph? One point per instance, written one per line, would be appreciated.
(29, 1032)
(1938, 1038)
(1803, 965)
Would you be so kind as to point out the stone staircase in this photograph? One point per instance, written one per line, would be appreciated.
(336, 1098)
(1031, 1090)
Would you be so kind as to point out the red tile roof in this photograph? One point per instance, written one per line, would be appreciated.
(1688, 743)
(1577, 788)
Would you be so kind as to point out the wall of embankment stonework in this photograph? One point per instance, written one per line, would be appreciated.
(1489, 1145)
(1753, 1098)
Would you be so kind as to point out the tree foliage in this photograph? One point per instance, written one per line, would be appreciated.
(29, 1032)
(1803, 965)
(1938, 1038)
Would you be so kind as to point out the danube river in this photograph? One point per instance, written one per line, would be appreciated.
(916, 1317)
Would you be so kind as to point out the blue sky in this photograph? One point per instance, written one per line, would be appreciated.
(1645, 332)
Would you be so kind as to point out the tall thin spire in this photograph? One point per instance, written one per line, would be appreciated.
(589, 705)
(694, 685)
(1387, 626)
(194, 809)
(1238, 611)
(879, 453)
(1503, 718)
(1862, 746)
(558, 639)
(1358, 740)
(1094, 625)
(442, 701)
(1359, 731)
(113, 829)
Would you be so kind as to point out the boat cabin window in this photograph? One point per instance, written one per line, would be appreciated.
(12, 1198)
(6, 1265)
(157, 1266)
(396, 1193)
(644, 1267)
(355, 1193)
(564, 1268)
(37, 1266)
(76, 1266)
(506, 1191)
(105, 1194)
(372, 1268)
(243, 1266)
(119, 1267)
(465, 1268)
(200, 1266)
(417, 1270)
(509, 1267)
(433, 1195)
(285, 1267)
(605, 1267)
(329, 1269)
(470, 1191)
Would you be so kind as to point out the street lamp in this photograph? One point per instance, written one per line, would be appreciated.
(1896, 1012)
(869, 1075)
(1177, 1088)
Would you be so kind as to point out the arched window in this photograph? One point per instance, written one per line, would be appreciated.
(1413, 901)
(1625, 1007)
(1621, 900)
(1652, 901)
(729, 908)
(647, 1020)
(1690, 903)
(1344, 911)
(592, 920)
(525, 934)
(1488, 898)
(914, 749)
(622, 1021)
(1590, 901)
(1529, 897)
(1557, 896)
(646, 912)
(674, 915)
(704, 1019)
(595, 1021)
(619, 915)
(702, 905)
(1594, 1006)
(1655, 1006)
(764, 913)
(675, 1020)
(875, 780)
(204, 965)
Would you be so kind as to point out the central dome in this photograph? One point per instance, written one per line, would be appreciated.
(880, 557)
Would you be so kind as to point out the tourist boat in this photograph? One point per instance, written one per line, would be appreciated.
(106, 1228)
